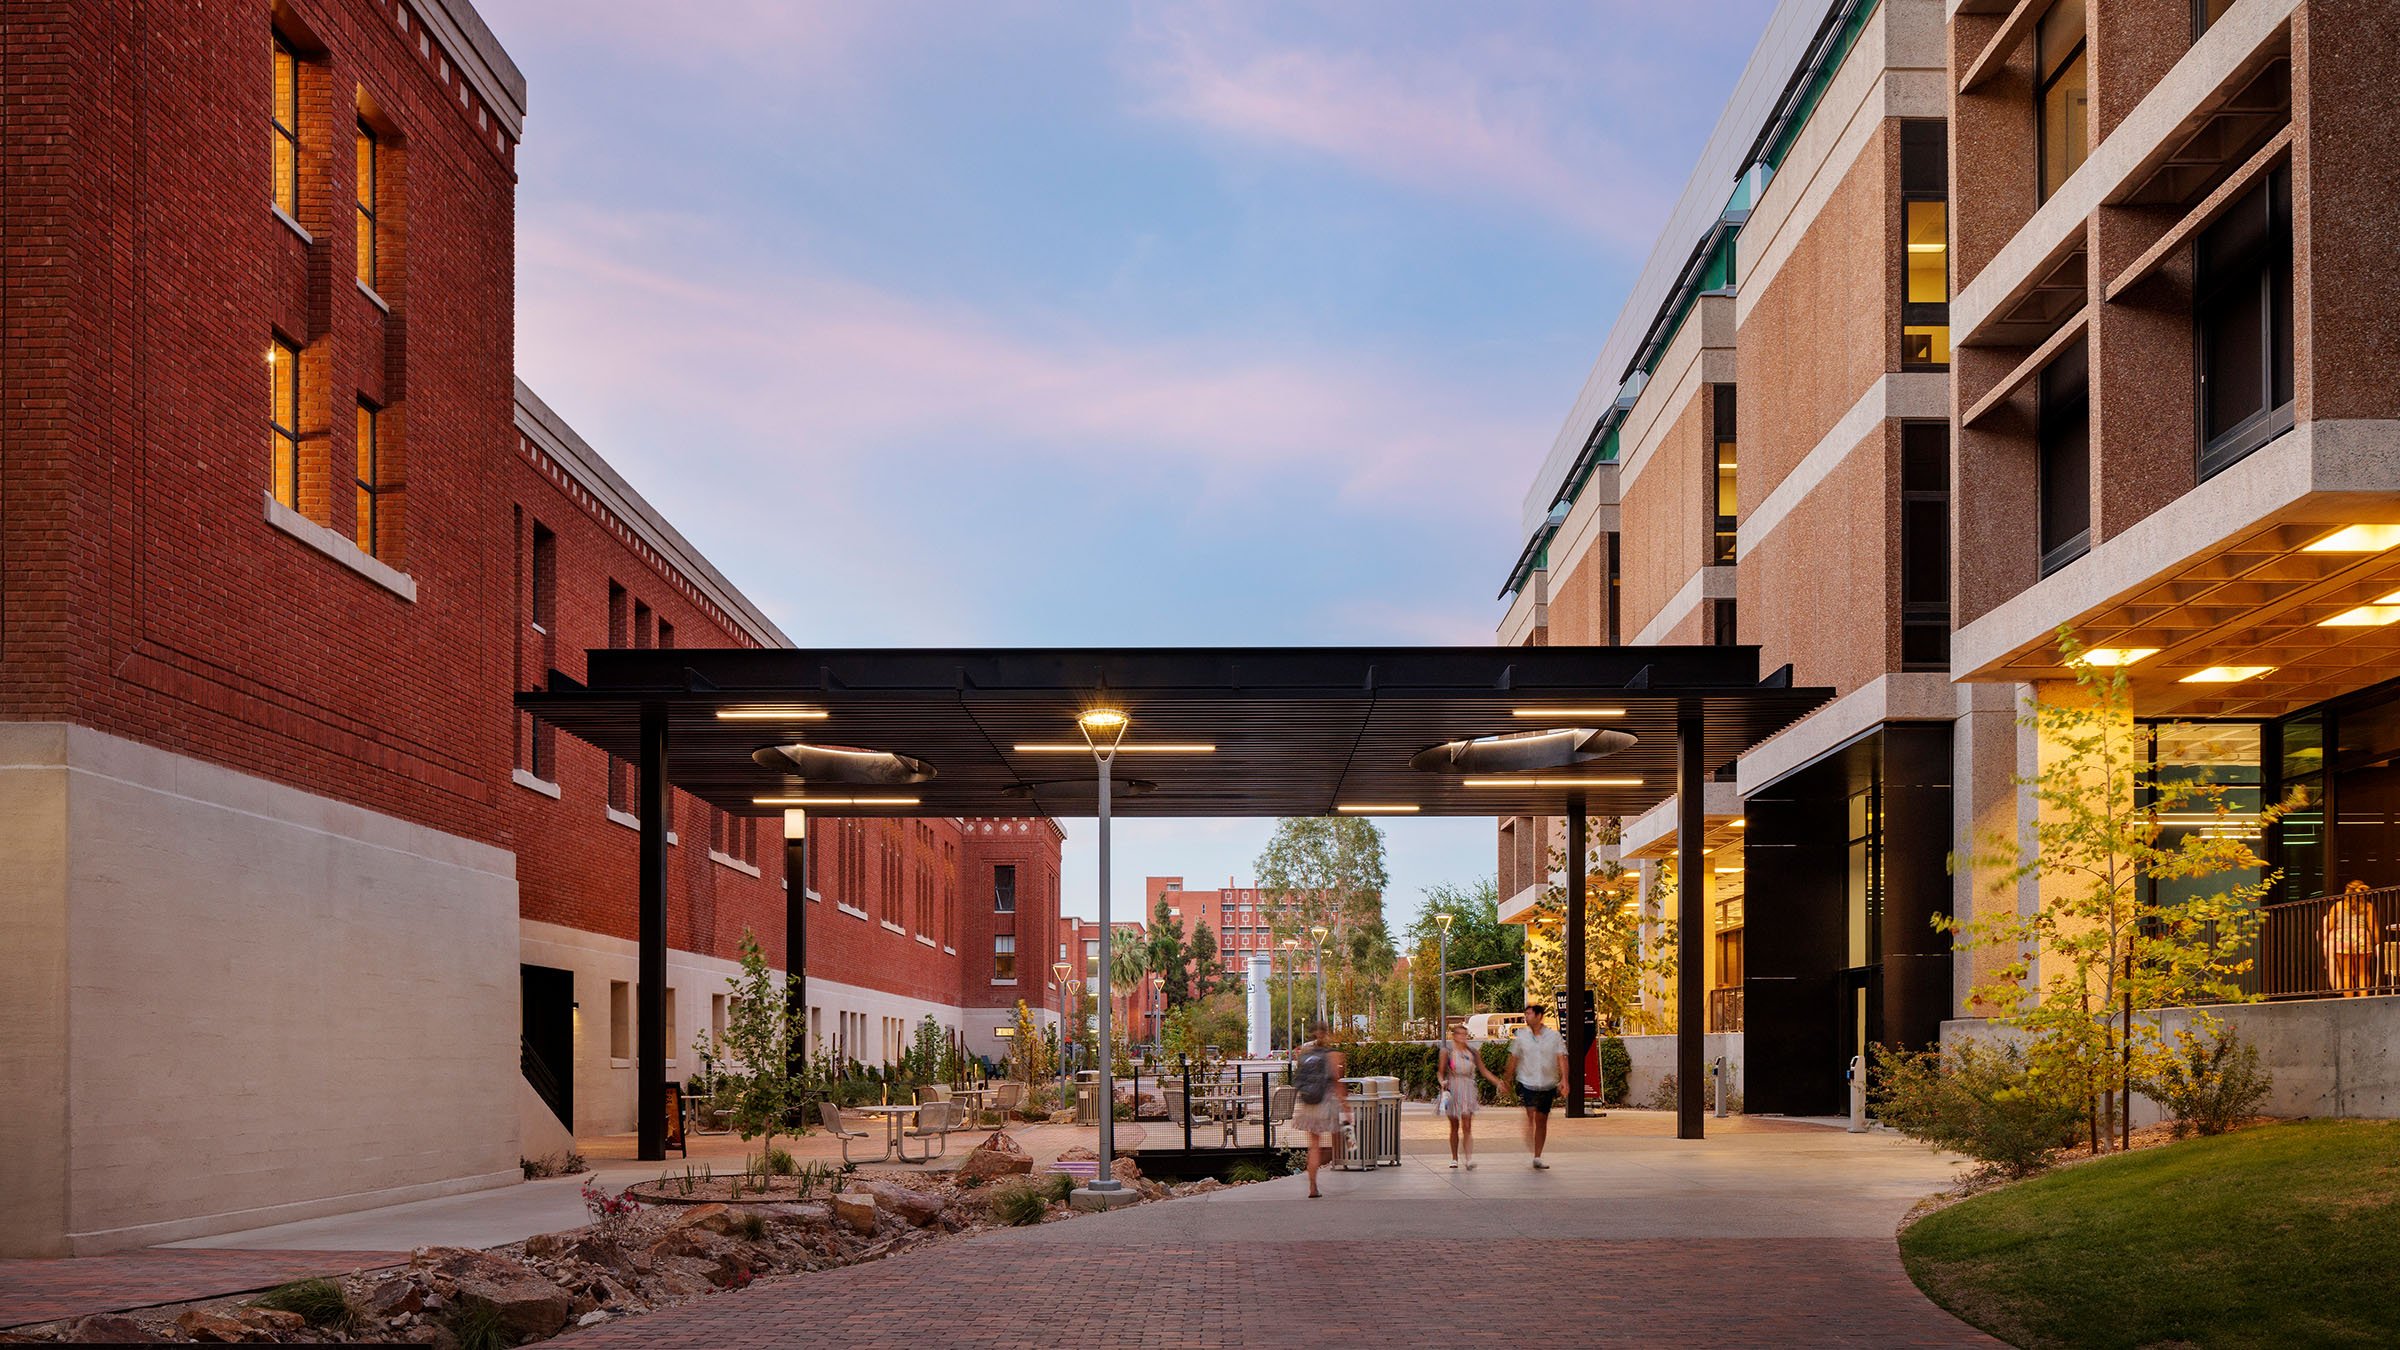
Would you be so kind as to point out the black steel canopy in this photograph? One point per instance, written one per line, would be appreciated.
(1295, 731)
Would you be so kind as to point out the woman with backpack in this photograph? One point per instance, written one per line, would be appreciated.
(1318, 1097)
(1459, 1066)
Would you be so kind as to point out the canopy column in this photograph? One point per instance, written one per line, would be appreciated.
(650, 992)
(1577, 1034)
(795, 941)
(1691, 1012)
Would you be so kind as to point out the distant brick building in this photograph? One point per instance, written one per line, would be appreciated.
(285, 865)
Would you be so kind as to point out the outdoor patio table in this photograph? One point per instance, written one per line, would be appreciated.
(892, 1116)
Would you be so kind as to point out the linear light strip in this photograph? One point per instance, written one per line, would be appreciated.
(833, 801)
(1377, 809)
(1549, 782)
(1567, 712)
(772, 714)
(1153, 748)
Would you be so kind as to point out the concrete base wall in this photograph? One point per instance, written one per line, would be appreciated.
(2329, 1057)
(226, 1002)
(1654, 1058)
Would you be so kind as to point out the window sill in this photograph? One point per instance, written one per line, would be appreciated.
(949, 951)
(634, 823)
(927, 941)
(851, 910)
(893, 927)
(616, 1063)
(290, 224)
(529, 782)
(341, 550)
(1010, 982)
(728, 860)
(380, 303)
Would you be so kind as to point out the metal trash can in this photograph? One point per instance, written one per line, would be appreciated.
(1358, 1142)
(1386, 1098)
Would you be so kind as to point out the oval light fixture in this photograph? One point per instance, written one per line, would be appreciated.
(841, 764)
(1522, 751)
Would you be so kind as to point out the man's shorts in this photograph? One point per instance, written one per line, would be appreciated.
(1537, 1099)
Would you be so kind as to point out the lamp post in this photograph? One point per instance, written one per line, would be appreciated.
(1066, 1036)
(1291, 997)
(1319, 932)
(1441, 995)
(1103, 729)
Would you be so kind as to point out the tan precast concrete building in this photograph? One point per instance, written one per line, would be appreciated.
(1761, 458)
(2178, 406)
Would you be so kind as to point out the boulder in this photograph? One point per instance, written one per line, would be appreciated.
(725, 1260)
(917, 1207)
(805, 1213)
(714, 1218)
(215, 1324)
(591, 1319)
(856, 1210)
(527, 1305)
(395, 1296)
(110, 1329)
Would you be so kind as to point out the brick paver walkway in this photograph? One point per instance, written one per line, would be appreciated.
(1768, 1233)
(42, 1291)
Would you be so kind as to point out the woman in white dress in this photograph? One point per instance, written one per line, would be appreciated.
(1459, 1064)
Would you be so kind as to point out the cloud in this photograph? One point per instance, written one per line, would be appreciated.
(1492, 119)
(772, 359)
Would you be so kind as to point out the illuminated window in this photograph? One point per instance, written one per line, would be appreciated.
(283, 422)
(1728, 498)
(375, 532)
(1925, 236)
(284, 119)
(2062, 93)
(1004, 957)
(369, 236)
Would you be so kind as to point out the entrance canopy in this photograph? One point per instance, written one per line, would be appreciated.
(1223, 731)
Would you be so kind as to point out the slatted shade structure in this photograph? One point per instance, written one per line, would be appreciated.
(1272, 731)
(1215, 731)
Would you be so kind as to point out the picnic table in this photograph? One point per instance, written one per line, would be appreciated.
(892, 1115)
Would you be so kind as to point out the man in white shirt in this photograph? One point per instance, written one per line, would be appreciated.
(1537, 1063)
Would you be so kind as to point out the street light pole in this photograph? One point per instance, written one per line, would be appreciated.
(1441, 995)
(1319, 932)
(1066, 1037)
(1291, 997)
(1102, 729)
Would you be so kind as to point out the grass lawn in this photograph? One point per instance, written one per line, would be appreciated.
(2281, 1235)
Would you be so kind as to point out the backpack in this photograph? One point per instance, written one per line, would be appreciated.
(1313, 1075)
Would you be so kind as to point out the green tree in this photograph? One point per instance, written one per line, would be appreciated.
(758, 1087)
(1128, 963)
(1208, 967)
(1327, 871)
(1032, 1048)
(1477, 938)
(2104, 943)
(1614, 962)
(1169, 957)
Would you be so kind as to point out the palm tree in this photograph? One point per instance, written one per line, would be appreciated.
(1128, 962)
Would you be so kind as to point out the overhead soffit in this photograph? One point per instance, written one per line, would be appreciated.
(1296, 731)
(2260, 599)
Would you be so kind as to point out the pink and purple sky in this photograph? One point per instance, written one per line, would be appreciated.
(1100, 324)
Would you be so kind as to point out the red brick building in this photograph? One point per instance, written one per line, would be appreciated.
(1244, 919)
(283, 859)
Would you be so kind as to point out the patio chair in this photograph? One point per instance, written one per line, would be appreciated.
(1279, 1105)
(962, 1117)
(1176, 1111)
(927, 1131)
(1007, 1099)
(831, 1116)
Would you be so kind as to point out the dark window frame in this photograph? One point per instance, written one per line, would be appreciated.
(283, 436)
(1725, 540)
(2266, 272)
(284, 174)
(2043, 82)
(370, 229)
(1919, 616)
(1004, 888)
(368, 527)
(2056, 413)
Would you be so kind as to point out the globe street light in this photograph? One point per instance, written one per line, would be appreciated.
(1320, 930)
(1103, 729)
(1066, 1035)
(1441, 994)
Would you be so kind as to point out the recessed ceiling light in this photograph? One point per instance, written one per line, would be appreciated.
(1568, 712)
(1741, 823)
(2365, 616)
(2357, 539)
(833, 801)
(2115, 656)
(771, 714)
(1550, 782)
(1729, 871)
(1377, 809)
(2225, 674)
(1153, 748)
